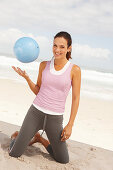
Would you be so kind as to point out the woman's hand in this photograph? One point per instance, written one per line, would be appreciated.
(20, 72)
(66, 133)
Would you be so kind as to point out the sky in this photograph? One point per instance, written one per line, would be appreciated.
(90, 23)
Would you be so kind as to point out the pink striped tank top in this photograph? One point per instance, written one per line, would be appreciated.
(54, 89)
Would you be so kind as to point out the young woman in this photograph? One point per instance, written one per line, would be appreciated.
(54, 81)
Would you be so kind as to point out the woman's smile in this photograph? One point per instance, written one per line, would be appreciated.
(57, 54)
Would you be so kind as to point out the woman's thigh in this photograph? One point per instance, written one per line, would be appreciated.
(33, 122)
(54, 127)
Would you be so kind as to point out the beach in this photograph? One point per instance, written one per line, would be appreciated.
(82, 156)
(93, 122)
(92, 132)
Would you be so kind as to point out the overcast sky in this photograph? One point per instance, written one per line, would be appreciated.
(90, 23)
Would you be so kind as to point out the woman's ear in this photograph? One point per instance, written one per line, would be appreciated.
(69, 48)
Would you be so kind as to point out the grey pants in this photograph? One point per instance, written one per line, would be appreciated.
(35, 121)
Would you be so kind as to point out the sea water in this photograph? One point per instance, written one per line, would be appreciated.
(93, 83)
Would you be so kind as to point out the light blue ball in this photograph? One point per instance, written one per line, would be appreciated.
(26, 49)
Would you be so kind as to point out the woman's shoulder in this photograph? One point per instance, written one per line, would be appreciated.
(43, 65)
(76, 69)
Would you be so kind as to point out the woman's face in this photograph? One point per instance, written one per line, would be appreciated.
(60, 47)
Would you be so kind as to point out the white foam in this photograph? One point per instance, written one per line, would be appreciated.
(93, 83)
(97, 76)
(8, 62)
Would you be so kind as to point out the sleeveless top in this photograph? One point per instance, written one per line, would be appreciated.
(54, 89)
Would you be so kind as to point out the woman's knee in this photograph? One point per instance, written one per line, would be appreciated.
(64, 158)
(15, 151)
(63, 161)
(15, 155)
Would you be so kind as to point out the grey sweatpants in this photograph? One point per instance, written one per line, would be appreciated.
(33, 122)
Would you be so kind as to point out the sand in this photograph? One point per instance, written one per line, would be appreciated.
(92, 131)
(82, 156)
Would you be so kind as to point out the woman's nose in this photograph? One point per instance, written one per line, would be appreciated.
(57, 49)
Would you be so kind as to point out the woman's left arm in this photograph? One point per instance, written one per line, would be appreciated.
(76, 85)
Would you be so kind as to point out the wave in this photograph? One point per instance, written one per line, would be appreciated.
(92, 82)
(93, 75)
(8, 62)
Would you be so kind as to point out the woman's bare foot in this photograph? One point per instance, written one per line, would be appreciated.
(35, 139)
(14, 135)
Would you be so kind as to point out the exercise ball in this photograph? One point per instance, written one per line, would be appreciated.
(26, 49)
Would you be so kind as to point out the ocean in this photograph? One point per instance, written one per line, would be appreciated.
(93, 83)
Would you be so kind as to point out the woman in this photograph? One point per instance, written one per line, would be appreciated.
(53, 84)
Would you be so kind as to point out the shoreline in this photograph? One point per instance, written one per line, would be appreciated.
(89, 94)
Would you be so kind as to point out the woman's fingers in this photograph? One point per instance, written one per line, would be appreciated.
(63, 135)
(19, 71)
(13, 67)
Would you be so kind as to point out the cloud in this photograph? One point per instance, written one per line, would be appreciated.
(82, 55)
(87, 52)
(88, 57)
(77, 17)
(10, 36)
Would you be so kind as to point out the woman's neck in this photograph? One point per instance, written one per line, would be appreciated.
(60, 61)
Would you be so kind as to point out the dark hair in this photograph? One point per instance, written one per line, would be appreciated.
(66, 36)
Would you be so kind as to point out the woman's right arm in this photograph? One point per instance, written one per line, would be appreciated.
(34, 87)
